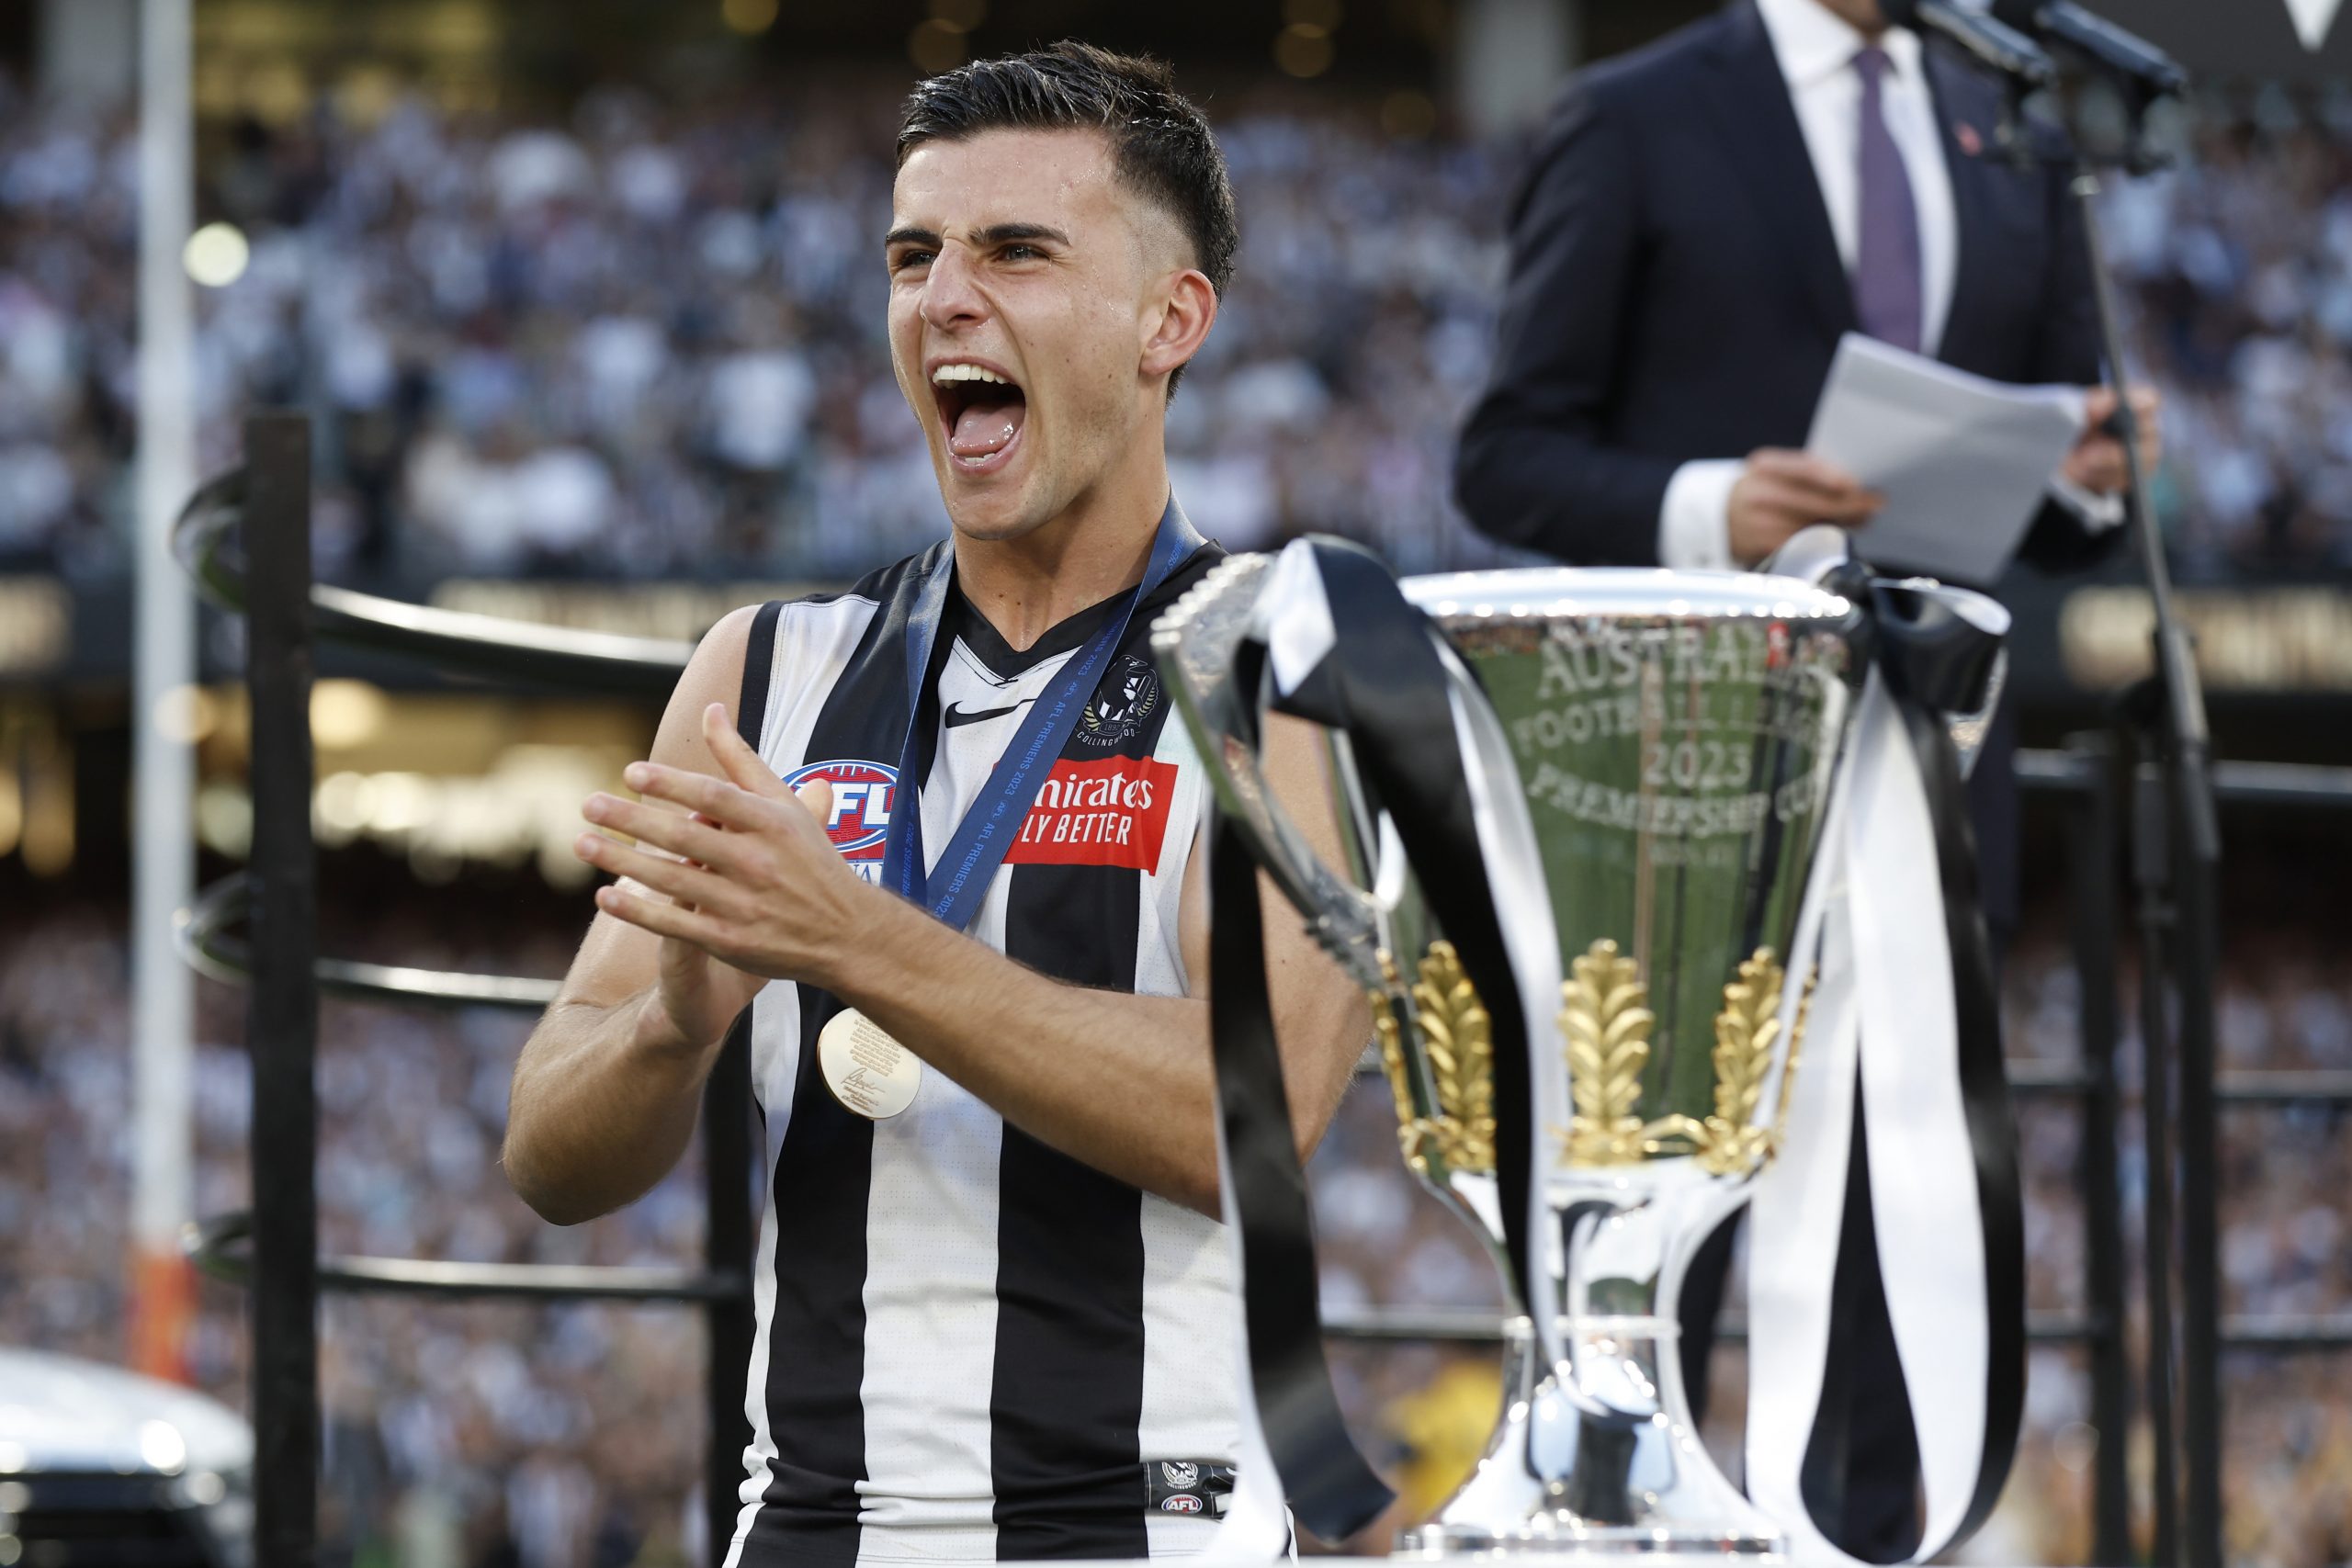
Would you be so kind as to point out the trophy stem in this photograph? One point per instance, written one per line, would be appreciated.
(1570, 1473)
(1504, 1491)
(1612, 1428)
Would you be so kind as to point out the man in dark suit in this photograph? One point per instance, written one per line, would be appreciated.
(1699, 224)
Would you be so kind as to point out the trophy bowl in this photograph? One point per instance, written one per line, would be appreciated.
(1660, 745)
(1676, 735)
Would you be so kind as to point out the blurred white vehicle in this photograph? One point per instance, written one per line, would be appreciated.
(101, 1466)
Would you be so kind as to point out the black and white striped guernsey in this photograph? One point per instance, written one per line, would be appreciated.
(968, 1343)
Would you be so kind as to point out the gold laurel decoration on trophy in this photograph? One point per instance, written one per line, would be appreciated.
(1414, 1133)
(1607, 1025)
(1607, 1022)
(1459, 1038)
(1796, 1055)
(1729, 1142)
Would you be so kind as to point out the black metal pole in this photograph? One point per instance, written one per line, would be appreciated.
(727, 1178)
(2174, 720)
(2095, 857)
(282, 1019)
(2194, 960)
(2150, 850)
(2181, 693)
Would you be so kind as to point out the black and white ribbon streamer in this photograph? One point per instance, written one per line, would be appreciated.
(1903, 1029)
(1336, 643)
(1293, 1412)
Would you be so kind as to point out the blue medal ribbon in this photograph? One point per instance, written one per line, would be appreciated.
(990, 827)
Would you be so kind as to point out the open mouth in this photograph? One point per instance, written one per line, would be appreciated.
(982, 410)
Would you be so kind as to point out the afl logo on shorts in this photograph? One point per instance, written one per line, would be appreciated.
(859, 817)
(1127, 697)
(1181, 1503)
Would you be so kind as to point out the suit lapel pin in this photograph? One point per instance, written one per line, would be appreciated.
(1969, 142)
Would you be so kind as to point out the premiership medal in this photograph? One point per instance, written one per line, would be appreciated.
(867, 1071)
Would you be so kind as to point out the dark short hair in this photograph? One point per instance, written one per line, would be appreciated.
(1160, 143)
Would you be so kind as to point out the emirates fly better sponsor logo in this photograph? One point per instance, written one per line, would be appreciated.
(1112, 812)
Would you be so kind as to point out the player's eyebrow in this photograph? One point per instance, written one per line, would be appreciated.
(994, 234)
(1005, 234)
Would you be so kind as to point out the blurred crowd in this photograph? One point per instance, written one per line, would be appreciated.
(2238, 273)
(649, 340)
(646, 340)
(489, 1434)
(457, 1435)
(2284, 1172)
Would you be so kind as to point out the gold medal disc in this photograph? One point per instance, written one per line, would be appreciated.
(867, 1071)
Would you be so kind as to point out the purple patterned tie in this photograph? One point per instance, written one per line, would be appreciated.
(1886, 264)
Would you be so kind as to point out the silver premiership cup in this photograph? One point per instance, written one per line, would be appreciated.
(1676, 735)
(1673, 736)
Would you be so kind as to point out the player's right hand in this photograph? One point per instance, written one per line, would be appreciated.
(1781, 492)
(697, 994)
(696, 997)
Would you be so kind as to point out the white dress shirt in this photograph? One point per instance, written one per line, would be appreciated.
(1815, 48)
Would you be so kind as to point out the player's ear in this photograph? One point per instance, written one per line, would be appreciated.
(1174, 333)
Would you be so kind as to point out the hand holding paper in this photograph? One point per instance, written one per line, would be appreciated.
(1962, 461)
(1780, 493)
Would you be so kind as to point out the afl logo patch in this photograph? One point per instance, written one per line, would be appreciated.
(1124, 701)
(863, 796)
(1180, 1473)
(1181, 1503)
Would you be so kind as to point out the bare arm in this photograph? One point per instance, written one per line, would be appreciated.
(1123, 1083)
(1120, 1082)
(607, 1089)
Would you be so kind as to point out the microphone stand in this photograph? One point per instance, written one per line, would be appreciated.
(2176, 860)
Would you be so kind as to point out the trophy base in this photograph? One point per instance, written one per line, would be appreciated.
(1578, 1477)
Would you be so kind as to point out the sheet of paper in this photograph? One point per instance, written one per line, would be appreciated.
(1963, 462)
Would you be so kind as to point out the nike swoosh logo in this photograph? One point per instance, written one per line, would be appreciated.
(955, 716)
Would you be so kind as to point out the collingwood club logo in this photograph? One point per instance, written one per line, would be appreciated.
(1180, 1473)
(1127, 697)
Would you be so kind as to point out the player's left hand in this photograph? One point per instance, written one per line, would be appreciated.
(2098, 462)
(752, 877)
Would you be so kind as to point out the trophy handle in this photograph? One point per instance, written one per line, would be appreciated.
(1376, 856)
(1221, 693)
(1821, 554)
(1214, 648)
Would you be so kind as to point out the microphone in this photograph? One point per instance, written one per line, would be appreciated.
(1996, 43)
(2067, 25)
